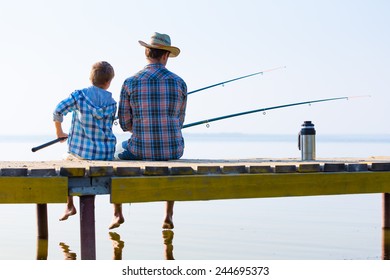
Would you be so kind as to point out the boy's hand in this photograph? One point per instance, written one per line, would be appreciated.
(62, 135)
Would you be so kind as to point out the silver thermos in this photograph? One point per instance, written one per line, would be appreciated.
(307, 141)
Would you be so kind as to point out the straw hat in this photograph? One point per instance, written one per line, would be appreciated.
(161, 42)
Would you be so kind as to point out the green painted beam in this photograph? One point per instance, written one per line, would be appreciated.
(209, 187)
(38, 190)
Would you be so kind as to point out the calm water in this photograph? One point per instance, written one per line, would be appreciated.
(332, 227)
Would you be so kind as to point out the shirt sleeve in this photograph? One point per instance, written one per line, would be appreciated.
(183, 105)
(65, 106)
(124, 111)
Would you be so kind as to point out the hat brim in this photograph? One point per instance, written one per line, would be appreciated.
(173, 51)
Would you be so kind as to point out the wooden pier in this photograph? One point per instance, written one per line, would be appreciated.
(46, 182)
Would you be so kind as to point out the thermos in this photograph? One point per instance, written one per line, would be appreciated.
(307, 141)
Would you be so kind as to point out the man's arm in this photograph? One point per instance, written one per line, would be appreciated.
(124, 110)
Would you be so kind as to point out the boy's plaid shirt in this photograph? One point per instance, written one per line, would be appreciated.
(91, 136)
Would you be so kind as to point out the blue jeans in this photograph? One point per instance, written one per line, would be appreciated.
(126, 154)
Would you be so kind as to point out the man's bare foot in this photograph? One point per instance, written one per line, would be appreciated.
(116, 222)
(68, 212)
(168, 223)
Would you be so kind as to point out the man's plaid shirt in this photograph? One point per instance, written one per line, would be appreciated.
(152, 106)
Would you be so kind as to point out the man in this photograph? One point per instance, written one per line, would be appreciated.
(152, 107)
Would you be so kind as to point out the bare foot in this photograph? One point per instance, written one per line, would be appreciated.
(168, 223)
(68, 212)
(116, 222)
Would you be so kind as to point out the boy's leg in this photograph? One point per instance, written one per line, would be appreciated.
(118, 217)
(70, 209)
(168, 221)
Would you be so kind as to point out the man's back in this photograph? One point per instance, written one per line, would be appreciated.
(152, 106)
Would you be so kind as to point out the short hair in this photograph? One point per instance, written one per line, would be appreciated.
(101, 73)
(155, 53)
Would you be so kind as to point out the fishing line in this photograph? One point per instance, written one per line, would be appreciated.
(235, 79)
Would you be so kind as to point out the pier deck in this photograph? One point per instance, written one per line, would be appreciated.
(181, 180)
(185, 180)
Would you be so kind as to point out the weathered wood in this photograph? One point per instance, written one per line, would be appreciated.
(101, 171)
(87, 227)
(128, 171)
(72, 171)
(42, 224)
(197, 187)
(260, 169)
(209, 170)
(234, 169)
(156, 171)
(386, 244)
(42, 248)
(386, 210)
(380, 166)
(47, 172)
(357, 167)
(12, 172)
(315, 167)
(334, 167)
(182, 170)
(33, 189)
(285, 168)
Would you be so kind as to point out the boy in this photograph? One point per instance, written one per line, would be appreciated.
(93, 108)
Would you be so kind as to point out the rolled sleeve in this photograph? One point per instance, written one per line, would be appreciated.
(65, 106)
(124, 110)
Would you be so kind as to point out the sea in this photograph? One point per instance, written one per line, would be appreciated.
(342, 227)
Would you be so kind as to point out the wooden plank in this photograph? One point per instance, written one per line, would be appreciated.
(33, 190)
(208, 187)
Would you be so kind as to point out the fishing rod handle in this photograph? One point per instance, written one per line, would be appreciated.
(48, 144)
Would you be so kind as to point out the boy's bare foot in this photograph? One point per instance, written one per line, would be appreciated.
(116, 222)
(68, 212)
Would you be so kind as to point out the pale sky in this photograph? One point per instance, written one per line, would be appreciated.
(330, 49)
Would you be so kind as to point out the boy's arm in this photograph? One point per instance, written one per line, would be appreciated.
(64, 107)
(60, 133)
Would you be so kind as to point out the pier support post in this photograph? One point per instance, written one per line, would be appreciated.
(386, 211)
(42, 224)
(42, 248)
(385, 244)
(87, 227)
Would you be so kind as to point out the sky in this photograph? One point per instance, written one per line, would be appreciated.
(331, 48)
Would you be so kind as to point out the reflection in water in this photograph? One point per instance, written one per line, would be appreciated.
(168, 247)
(118, 245)
(42, 248)
(386, 244)
(68, 254)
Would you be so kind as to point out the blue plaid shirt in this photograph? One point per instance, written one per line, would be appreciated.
(91, 136)
(152, 107)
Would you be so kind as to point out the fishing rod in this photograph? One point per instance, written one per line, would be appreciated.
(266, 109)
(235, 79)
(229, 81)
(48, 144)
(228, 116)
